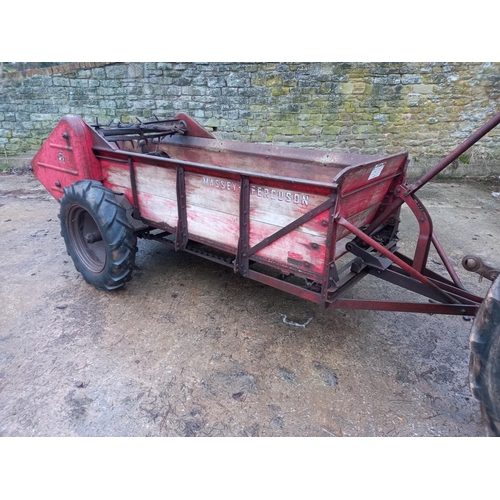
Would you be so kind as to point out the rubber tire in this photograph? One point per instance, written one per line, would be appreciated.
(118, 247)
(484, 366)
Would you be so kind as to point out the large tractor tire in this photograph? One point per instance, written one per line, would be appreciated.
(98, 236)
(484, 368)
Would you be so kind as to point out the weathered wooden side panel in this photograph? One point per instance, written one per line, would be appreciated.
(213, 213)
(156, 189)
(259, 158)
(360, 219)
(272, 208)
(296, 249)
(364, 188)
(354, 178)
(212, 207)
(362, 200)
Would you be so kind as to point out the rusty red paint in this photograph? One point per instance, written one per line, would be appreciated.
(66, 156)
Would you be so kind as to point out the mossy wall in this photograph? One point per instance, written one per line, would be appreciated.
(424, 108)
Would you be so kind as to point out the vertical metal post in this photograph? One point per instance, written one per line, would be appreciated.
(181, 236)
(425, 233)
(133, 184)
(242, 261)
(331, 275)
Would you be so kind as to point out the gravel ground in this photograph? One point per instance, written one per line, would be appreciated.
(187, 348)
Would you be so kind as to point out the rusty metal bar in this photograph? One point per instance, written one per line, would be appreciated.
(460, 150)
(116, 155)
(442, 282)
(133, 185)
(286, 287)
(242, 261)
(481, 132)
(293, 225)
(379, 248)
(400, 278)
(447, 264)
(446, 286)
(425, 233)
(181, 237)
(415, 307)
(331, 275)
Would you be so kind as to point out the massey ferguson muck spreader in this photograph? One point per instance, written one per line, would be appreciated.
(312, 223)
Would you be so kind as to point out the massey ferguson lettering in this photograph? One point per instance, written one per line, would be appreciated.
(221, 184)
(260, 191)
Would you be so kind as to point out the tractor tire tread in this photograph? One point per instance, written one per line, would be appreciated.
(117, 233)
(484, 365)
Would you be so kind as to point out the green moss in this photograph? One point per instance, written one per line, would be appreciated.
(273, 82)
(277, 91)
(331, 130)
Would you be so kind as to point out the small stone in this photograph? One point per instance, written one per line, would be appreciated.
(277, 421)
(175, 294)
(7, 220)
(329, 376)
(79, 384)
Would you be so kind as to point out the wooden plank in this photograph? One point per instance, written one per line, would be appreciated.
(268, 204)
(150, 179)
(364, 199)
(356, 177)
(213, 193)
(156, 189)
(214, 225)
(280, 207)
(151, 207)
(358, 220)
(258, 162)
(158, 209)
(296, 249)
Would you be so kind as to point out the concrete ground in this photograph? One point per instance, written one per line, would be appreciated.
(187, 348)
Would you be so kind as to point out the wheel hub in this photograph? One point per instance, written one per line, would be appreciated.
(86, 238)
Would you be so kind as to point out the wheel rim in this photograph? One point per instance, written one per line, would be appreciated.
(86, 238)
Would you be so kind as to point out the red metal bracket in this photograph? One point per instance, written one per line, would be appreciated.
(403, 265)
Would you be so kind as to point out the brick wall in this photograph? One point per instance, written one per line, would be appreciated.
(424, 108)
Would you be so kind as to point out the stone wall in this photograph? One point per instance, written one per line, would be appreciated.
(424, 108)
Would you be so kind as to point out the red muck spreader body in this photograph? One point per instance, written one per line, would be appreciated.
(312, 223)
